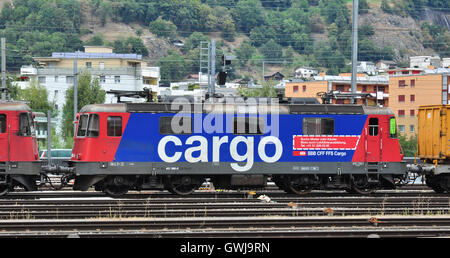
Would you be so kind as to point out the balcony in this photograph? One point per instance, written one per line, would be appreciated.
(28, 70)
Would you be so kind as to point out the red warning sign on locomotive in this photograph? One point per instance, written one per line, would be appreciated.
(325, 142)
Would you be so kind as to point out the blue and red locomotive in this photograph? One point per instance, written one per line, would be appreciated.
(175, 146)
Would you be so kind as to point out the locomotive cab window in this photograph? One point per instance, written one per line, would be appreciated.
(26, 126)
(82, 125)
(373, 126)
(114, 125)
(318, 126)
(175, 125)
(93, 126)
(2, 123)
(248, 125)
(88, 125)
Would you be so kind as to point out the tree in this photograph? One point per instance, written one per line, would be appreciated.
(385, 6)
(249, 14)
(267, 91)
(89, 91)
(363, 7)
(163, 28)
(37, 97)
(172, 67)
(244, 52)
(272, 50)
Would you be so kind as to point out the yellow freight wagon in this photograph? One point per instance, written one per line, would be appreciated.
(433, 147)
(434, 132)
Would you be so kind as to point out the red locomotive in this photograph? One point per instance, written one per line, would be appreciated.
(19, 155)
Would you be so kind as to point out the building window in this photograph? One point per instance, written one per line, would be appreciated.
(364, 88)
(304, 88)
(69, 79)
(401, 128)
(412, 98)
(411, 128)
(412, 112)
(102, 79)
(401, 113)
(401, 98)
(381, 88)
(56, 78)
(88, 64)
(117, 79)
(41, 79)
(101, 65)
(340, 87)
(295, 88)
(401, 83)
(413, 83)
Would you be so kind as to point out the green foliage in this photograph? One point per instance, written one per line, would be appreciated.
(37, 28)
(163, 28)
(89, 91)
(409, 145)
(172, 67)
(130, 45)
(271, 50)
(248, 14)
(267, 91)
(37, 97)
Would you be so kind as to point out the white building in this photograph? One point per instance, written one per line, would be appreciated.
(305, 72)
(424, 62)
(114, 71)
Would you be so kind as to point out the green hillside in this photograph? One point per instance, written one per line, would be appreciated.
(280, 30)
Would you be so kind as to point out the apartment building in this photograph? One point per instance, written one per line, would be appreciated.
(376, 86)
(408, 92)
(114, 72)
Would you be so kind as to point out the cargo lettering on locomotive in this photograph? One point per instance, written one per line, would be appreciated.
(247, 157)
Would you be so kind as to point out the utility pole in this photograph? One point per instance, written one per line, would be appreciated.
(213, 68)
(75, 92)
(3, 69)
(354, 48)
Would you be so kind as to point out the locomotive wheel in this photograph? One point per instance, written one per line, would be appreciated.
(183, 185)
(360, 185)
(116, 190)
(300, 185)
(280, 183)
(4, 189)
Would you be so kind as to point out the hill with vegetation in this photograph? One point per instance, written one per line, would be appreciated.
(289, 33)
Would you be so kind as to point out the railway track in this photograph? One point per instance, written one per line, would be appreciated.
(53, 208)
(413, 190)
(420, 213)
(233, 227)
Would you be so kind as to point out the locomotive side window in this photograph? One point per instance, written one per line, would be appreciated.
(2, 123)
(318, 126)
(82, 125)
(182, 125)
(93, 126)
(114, 125)
(248, 125)
(25, 124)
(373, 126)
